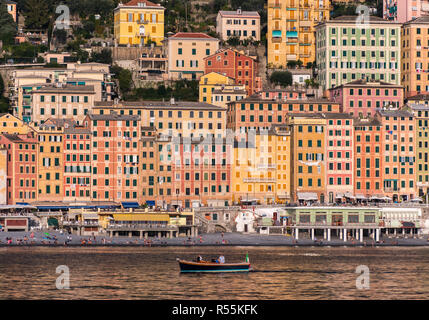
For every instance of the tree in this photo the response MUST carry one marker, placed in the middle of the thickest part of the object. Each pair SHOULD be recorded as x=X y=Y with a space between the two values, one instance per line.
x=8 y=26
x=4 y=102
x=104 y=56
x=37 y=14
x=283 y=78
x=233 y=41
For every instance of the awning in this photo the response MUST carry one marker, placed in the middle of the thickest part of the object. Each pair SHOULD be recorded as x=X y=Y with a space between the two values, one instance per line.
x=127 y=205
x=360 y=197
x=307 y=196
x=406 y=224
x=90 y=216
x=150 y=203
x=349 y=195
x=339 y=195
x=418 y=199
x=374 y=198
x=52 y=207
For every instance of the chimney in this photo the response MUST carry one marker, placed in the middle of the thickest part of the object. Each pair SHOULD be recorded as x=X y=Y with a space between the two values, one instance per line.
x=172 y=100
x=239 y=10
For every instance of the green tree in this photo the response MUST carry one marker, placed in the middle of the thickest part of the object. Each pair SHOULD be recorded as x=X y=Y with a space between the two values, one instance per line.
x=8 y=26
x=4 y=102
x=283 y=78
x=104 y=56
x=37 y=14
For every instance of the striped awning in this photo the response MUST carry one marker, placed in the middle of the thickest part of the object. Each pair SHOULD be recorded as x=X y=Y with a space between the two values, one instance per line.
x=308 y=196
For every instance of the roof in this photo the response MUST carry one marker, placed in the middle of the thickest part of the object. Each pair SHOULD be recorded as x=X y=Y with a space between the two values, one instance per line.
x=364 y=83
x=421 y=96
x=181 y=105
x=135 y=3
x=57 y=122
x=366 y=122
x=192 y=35
x=65 y=89
x=114 y=117
x=254 y=14
x=229 y=91
x=395 y=113
x=232 y=50
x=258 y=99
x=19 y=138
x=422 y=19
x=338 y=116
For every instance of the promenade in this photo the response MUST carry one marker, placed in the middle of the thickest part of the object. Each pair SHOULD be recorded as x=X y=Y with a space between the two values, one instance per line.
x=212 y=239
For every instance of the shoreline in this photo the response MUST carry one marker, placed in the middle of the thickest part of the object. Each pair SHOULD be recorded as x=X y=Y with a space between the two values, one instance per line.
x=57 y=239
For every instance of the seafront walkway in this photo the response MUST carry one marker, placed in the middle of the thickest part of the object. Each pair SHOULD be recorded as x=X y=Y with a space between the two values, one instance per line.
x=49 y=238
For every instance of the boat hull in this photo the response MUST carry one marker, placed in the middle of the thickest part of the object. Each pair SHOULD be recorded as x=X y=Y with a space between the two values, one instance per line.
x=190 y=266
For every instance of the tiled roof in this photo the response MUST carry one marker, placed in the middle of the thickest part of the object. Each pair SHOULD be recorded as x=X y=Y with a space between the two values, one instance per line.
x=366 y=122
x=192 y=35
x=67 y=88
x=114 y=117
x=181 y=105
x=365 y=83
x=136 y=3
x=395 y=113
x=419 y=97
x=243 y=13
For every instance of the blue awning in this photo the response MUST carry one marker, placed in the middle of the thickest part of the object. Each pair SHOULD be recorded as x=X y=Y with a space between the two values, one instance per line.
x=52 y=207
x=277 y=33
x=23 y=203
x=127 y=205
x=150 y=203
x=292 y=34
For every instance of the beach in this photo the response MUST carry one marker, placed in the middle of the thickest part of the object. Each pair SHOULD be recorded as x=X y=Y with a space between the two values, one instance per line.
x=56 y=238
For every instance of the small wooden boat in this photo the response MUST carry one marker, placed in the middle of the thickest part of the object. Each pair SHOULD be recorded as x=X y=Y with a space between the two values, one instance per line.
x=206 y=266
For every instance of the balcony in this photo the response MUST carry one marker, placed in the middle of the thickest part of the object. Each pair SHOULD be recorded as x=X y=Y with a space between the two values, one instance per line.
x=277 y=39
x=264 y=180
x=276 y=5
x=142 y=21
x=266 y=166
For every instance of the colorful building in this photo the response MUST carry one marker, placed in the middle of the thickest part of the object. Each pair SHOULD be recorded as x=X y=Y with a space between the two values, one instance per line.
x=421 y=114
x=11 y=124
x=186 y=53
x=361 y=98
x=283 y=94
x=254 y=112
x=261 y=169
x=234 y=64
x=368 y=158
x=399 y=163
x=241 y=24
x=308 y=149
x=347 y=52
x=65 y=101
x=50 y=135
x=77 y=162
x=208 y=83
x=115 y=156
x=11 y=9
x=223 y=94
x=415 y=60
x=404 y=10
x=139 y=22
x=171 y=118
x=339 y=156
x=291 y=30
x=22 y=166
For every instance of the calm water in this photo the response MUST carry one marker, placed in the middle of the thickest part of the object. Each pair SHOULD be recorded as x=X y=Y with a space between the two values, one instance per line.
x=153 y=273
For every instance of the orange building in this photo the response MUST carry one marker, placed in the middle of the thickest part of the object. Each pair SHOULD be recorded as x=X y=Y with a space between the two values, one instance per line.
x=368 y=162
x=22 y=165
x=399 y=154
x=115 y=157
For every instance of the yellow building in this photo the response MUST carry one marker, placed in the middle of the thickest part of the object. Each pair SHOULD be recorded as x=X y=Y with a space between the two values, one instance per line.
x=11 y=124
x=261 y=167
x=414 y=57
x=139 y=22
x=291 y=30
x=208 y=83
x=51 y=167
x=308 y=157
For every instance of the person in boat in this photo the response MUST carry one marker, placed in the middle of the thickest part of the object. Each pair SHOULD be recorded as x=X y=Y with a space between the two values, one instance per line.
x=199 y=259
x=221 y=259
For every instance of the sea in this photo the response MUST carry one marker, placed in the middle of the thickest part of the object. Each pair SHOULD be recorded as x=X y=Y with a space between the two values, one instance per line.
x=152 y=273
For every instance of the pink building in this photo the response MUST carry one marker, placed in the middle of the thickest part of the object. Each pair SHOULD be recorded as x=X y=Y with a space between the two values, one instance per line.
x=115 y=156
x=22 y=166
x=339 y=156
x=77 y=163
x=362 y=98
x=404 y=10
x=283 y=94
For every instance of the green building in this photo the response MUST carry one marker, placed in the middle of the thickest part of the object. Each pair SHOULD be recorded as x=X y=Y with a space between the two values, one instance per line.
x=348 y=50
